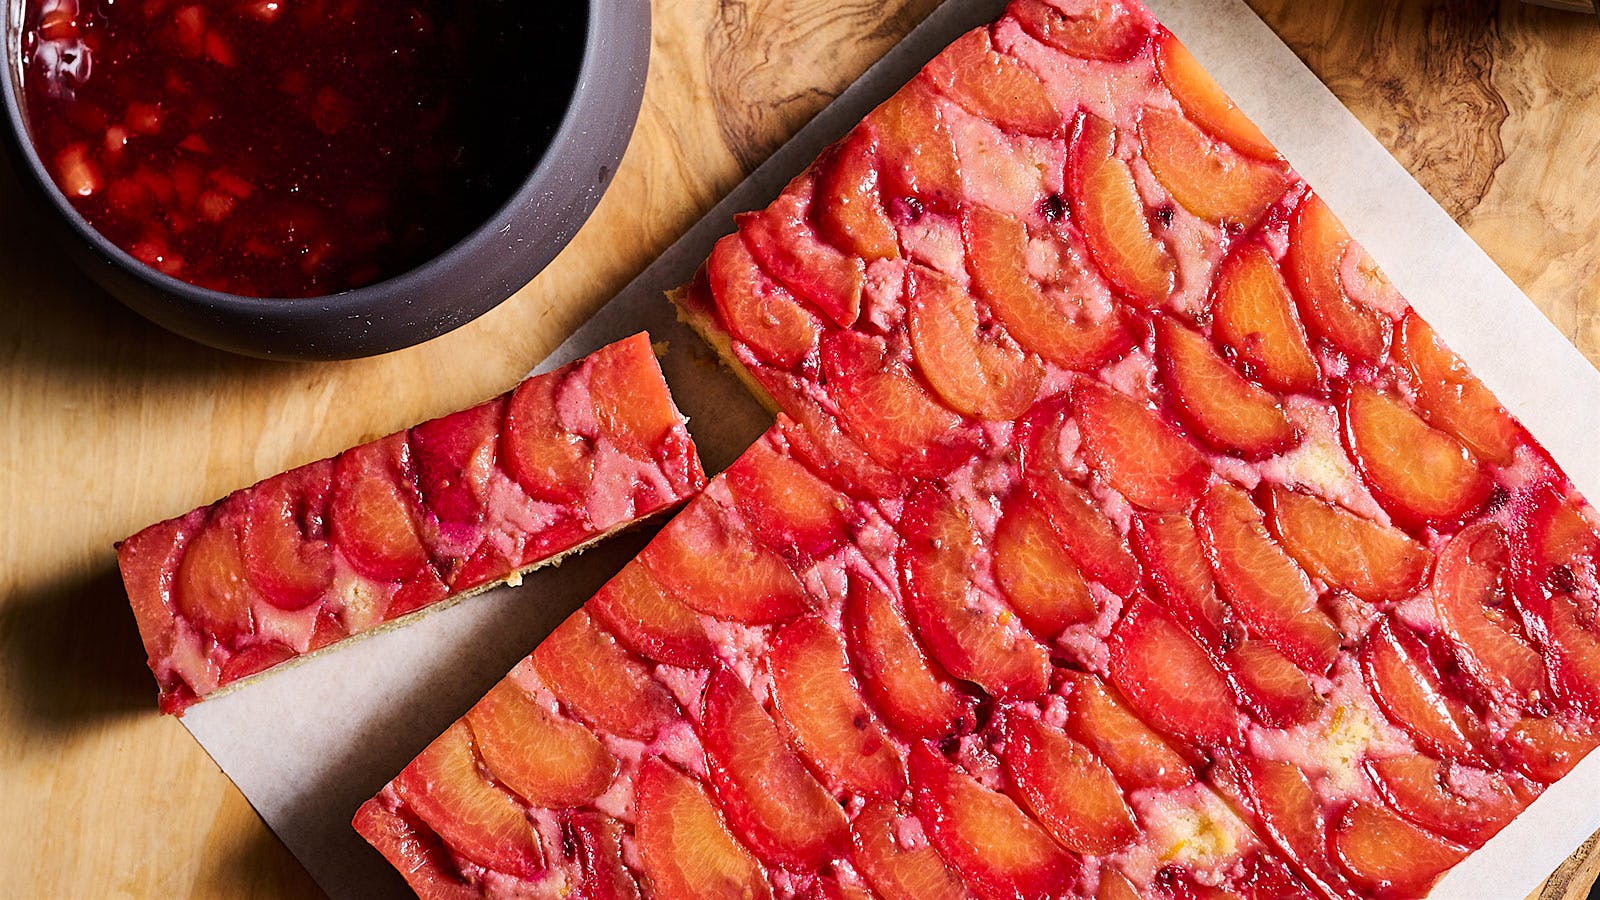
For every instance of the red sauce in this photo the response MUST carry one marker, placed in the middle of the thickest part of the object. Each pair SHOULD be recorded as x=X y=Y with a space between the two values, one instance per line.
x=293 y=148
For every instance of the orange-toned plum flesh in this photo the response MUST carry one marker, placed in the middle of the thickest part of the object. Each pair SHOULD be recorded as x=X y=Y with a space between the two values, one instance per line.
x=1131 y=502
x=340 y=546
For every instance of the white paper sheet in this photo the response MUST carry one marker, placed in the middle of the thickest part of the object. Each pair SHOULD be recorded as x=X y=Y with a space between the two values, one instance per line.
x=309 y=744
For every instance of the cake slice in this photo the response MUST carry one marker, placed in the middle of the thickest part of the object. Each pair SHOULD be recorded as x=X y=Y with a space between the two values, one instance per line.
x=1126 y=534
x=744 y=711
x=425 y=516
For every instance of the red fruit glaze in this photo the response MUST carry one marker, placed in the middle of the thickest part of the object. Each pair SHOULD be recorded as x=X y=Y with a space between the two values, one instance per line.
x=290 y=150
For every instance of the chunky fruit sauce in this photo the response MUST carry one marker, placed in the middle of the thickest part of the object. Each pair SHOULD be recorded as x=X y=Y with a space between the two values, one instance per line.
x=293 y=148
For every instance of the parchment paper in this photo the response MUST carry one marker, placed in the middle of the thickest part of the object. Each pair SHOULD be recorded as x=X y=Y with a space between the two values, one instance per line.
x=309 y=744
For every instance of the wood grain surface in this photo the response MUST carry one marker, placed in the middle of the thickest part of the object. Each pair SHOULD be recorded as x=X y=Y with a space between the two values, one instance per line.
x=108 y=423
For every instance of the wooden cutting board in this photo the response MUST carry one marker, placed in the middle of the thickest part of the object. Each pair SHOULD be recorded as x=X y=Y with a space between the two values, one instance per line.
x=108 y=423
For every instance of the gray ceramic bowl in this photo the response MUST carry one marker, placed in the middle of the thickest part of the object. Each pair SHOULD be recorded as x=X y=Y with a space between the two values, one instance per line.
x=455 y=287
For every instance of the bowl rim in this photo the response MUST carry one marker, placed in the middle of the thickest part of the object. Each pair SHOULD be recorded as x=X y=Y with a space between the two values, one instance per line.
x=364 y=301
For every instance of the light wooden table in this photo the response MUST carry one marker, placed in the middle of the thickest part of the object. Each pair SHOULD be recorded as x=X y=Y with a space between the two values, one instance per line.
x=108 y=423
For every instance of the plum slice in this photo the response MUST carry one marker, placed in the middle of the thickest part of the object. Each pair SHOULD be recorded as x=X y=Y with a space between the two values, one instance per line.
x=590 y=672
x=849 y=205
x=884 y=407
x=283 y=536
x=1422 y=476
x=1271 y=594
x=1473 y=599
x=685 y=849
x=1203 y=101
x=895 y=675
x=915 y=144
x=1059 y=328
x=1208 y=177
x=549 y=461
x=769 y=796
x=781 y=239
x=1083 y=530
x=978 y=371
x=545 y=759
x=1464 y=805
x=600 y=858
x=1376 y=563
x=477 y=819
x=896 y=871
x=1168 y=678
x=994 y=86
x=1136 y=754
x=1037 y=575
x=786 y=504
x=1254 y=317
x=691 y=559
x=1408 y=689
x=963 y=627
x=756 y=309
x=1388 y=856
x=1104 y=32
x=1144 y=458
x=1108 y=207
x=1227 y=411
x=1451 y=397
x=999 y=850
x=638 y=610
x=1314 y=263
x=370 y=515
x=817 y=698
x=1066 y=787
x=209 y=586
